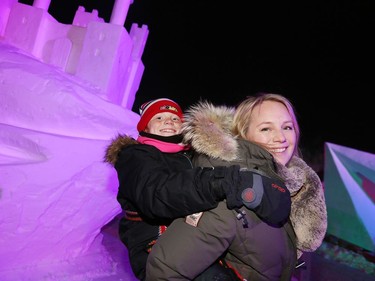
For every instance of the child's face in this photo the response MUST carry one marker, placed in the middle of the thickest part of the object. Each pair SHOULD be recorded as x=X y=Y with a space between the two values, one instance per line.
x=164 y=124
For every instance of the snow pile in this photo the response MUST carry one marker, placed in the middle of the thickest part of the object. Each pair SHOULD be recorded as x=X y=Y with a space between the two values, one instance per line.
x=56 y=192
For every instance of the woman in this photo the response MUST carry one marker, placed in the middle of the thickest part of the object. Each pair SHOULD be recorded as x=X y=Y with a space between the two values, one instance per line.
x=262 y=128
x=158 y=183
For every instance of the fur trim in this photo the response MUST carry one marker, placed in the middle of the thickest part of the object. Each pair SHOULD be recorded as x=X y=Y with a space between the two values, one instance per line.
x=213 y=125
x=117 y=143
x=308 y=214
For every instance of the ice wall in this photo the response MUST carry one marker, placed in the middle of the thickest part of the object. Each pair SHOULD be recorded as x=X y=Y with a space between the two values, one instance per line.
x=56 y=191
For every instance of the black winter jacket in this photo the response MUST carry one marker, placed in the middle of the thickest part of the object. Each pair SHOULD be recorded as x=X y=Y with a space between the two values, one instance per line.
x=156 y=187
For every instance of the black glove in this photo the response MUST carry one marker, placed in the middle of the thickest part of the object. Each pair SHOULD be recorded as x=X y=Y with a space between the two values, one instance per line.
x=267 y=197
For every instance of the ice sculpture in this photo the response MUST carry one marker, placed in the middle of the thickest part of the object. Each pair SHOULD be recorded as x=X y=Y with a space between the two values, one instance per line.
x=65 y=92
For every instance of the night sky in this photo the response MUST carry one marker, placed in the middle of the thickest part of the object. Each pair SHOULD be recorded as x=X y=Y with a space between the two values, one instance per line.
x=319 y=54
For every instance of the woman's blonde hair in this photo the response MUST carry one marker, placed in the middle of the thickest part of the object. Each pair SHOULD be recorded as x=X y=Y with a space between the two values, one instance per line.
x=242 y=116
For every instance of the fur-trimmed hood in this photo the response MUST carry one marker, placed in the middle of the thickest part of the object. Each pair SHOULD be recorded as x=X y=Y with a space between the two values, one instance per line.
x=116 y=145
x=208 y=129
x=308 y=213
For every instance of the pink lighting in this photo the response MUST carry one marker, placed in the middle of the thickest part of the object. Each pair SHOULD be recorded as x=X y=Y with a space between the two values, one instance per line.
x=65 y=92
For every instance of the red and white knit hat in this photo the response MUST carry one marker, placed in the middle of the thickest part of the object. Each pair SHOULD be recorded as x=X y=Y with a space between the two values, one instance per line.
x=150 y=108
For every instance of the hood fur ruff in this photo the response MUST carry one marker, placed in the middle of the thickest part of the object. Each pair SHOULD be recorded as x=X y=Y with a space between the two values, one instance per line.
x=114 y=148
x=308 y=213
x=208 y=129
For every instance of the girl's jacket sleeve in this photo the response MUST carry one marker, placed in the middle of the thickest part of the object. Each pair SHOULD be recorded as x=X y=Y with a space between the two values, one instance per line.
x=160 y=188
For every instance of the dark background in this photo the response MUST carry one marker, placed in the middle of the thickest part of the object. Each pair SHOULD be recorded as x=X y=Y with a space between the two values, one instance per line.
x=319 y=54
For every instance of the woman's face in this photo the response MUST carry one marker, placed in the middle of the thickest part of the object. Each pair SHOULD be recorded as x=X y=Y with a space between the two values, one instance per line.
x=164 y=124
x=272 y=127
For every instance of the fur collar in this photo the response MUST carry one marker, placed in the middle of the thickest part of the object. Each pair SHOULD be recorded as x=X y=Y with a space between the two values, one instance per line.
x=208 y=129
x=117 y=144
x=308 y=213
